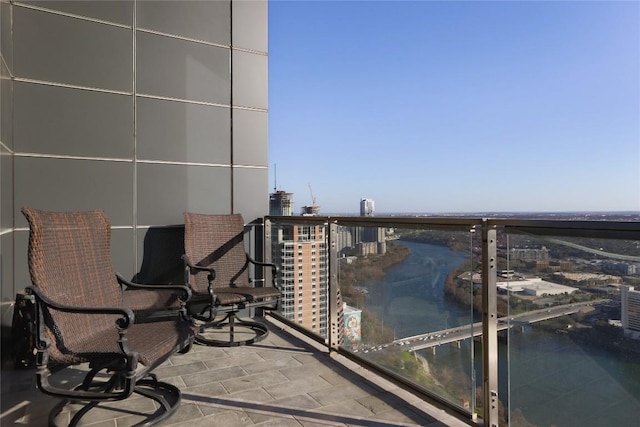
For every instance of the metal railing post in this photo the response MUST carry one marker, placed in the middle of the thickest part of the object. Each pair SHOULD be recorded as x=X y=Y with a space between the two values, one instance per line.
x=489 y=326
x=334 y=330
x=267 y=250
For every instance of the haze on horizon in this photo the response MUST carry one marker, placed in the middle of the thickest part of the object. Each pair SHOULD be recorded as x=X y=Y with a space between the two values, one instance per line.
x=430 y=106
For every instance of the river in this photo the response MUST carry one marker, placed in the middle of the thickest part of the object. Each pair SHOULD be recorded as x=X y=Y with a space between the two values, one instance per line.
x=554 y=381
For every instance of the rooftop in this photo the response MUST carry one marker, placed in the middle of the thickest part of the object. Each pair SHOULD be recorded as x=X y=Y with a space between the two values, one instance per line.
x=285 y=380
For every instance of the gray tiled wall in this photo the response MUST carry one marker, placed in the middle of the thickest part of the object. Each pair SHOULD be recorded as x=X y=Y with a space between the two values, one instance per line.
x=73 y=122
x=165 y=191
x=182 y=69
x=199 y=20
x=88 y=124
x=183 y=132
x=61 y=49
x=7 y=281
x=74 y=185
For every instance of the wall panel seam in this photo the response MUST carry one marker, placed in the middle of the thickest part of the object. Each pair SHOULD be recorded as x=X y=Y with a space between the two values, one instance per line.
x=209 y=104
x=185 y=101
x=250 y=166
x=178 y=163
x=6 y=66
x=134 y=87
x=71 y=15
x=257 y=109
x=113 y=227
x=245 y=50
x=4 y=147
x=148 y=226
x=71 y=86
x=184 y=38
x=69 y=157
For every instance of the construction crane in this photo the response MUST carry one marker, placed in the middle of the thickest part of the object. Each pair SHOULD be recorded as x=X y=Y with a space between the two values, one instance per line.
x=313 y=198
x=312 y=209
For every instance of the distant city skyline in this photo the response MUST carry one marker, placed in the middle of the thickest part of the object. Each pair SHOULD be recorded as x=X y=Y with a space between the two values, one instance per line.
x=459 y=107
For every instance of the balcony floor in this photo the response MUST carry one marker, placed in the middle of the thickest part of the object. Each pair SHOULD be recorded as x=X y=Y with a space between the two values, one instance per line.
x=285 y=380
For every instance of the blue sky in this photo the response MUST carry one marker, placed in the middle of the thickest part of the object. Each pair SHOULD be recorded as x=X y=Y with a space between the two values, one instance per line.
x=445 y=107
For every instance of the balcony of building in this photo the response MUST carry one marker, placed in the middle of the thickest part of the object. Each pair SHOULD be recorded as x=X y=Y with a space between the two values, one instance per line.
x=407 y=348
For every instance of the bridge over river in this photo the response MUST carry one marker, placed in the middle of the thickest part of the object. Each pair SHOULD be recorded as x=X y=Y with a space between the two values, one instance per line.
x=459 y=333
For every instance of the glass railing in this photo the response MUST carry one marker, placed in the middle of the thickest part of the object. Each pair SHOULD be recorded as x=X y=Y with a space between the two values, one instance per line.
x=566 y=360
x=408 y=299
x=516 y=323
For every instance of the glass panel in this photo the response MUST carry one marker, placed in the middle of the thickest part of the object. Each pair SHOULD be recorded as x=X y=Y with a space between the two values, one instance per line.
x=300 y=250
x=572 y=354
x=408 y=305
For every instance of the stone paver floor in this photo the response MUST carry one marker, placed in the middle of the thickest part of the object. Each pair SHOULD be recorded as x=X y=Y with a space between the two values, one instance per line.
x=281 y=381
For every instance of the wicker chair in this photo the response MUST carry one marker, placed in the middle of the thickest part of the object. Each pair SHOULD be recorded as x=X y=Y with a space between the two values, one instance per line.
x=217 y=270
x=81 y=318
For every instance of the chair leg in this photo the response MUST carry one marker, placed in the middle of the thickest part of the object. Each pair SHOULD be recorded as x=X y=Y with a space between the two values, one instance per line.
x=230 y=321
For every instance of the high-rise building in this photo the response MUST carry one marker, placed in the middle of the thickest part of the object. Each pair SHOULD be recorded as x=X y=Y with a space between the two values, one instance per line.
x=630 y=301
x=281 y=203
x=368 y=240
x=367 y=207
x=301 y=252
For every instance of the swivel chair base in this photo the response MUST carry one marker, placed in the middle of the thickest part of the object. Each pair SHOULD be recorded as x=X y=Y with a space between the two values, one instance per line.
x=227 y=328
x=166 y=395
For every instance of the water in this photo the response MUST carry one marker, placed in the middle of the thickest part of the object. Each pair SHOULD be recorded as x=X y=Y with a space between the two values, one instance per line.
x=410 y=297
x=553 y=380
x=557 y=381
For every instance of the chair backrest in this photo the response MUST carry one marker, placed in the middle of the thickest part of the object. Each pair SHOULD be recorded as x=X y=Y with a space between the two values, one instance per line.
x=216 y=241
x=70 y=262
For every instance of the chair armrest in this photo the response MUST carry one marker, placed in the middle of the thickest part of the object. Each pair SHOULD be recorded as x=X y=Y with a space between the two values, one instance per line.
x=211 y=270
x=183 y=292
x=127 y=319
x=42 y=343
x=274 y=268
x=122 y=323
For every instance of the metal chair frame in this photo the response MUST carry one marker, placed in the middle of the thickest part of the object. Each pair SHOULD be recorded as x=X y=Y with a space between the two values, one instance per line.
x=224 y=296
x=71 y=334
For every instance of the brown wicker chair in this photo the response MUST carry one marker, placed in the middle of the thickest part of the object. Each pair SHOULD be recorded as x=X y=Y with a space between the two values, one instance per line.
x=217 y=270
x=81 y=318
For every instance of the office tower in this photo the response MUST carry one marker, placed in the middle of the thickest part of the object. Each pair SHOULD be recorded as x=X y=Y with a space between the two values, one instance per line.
x=367 y=207
x=368 y=240
x=281 y=203
x=630 y=301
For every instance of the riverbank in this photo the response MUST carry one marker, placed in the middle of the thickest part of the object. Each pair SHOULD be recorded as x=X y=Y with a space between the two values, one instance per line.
x=356 y=277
